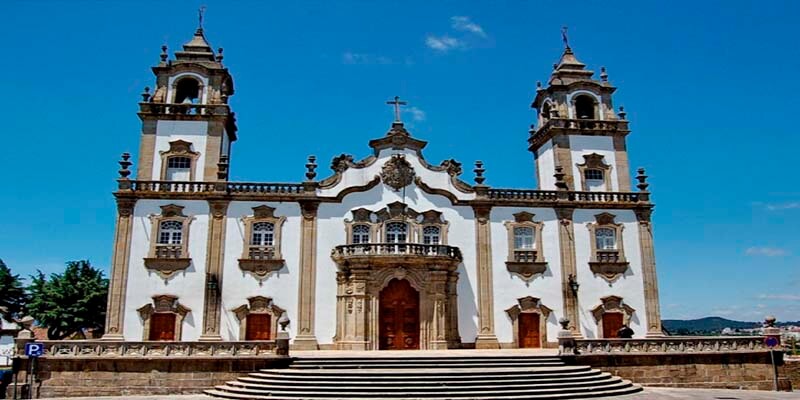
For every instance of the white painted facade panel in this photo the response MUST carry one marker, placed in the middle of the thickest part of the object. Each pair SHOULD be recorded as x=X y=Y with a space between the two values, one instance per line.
x=238 y=286
x=630 y=286
x=194 y=132
x=188 y=285
x=546 y=164
x=508 y=288
x=584 y=145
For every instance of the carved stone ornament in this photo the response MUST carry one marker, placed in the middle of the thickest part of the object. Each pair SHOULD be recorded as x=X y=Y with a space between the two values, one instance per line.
x=397 y=172
x=526 y=270
x=261 y=269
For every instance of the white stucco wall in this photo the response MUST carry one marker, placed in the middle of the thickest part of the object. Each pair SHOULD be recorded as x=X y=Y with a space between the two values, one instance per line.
x=508 y=288
x=187 y=285
x=282 y=286
x=629 y=286
x=194 y=132
x=546 y=165
x=583 y=145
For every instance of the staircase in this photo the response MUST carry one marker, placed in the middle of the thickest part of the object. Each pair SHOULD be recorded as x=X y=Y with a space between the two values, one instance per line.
x=426 y=377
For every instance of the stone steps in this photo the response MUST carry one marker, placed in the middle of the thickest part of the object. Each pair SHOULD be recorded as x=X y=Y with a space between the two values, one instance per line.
x=444 y=377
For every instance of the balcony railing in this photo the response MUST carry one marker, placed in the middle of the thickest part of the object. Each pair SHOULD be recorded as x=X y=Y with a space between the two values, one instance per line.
x=169 y=251
x=247 y=187
x=524 y=256
x=671 y=344
x=261 y=253
x=107 y=349
x=209 y=187
x=396 y=249
x=608 y=256
x=521 y=194
x=183 y=109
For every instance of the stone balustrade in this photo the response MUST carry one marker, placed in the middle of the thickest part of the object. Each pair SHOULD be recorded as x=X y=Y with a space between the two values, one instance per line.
x=393 y=250
x=153 y=349
x=671 y=344
x=279 y=188
x=183 y=109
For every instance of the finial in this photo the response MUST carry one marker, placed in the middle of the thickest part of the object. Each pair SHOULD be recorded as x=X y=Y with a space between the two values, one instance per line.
x=200 y=12
x=124 y=172
x=538 y=85
x=164 y=54
x=561 y=184
x=622 y=113
x=564 y=37
x=146 y=94
x=555 y=65
x=397 y=103
x=533 y=129
x=603 y=74
x=479 y=170
x=219 y=55
x=642 y=178
x=222 y=168
x=311 y=167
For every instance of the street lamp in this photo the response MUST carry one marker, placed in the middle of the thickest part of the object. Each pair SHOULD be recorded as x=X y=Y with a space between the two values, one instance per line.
x=573 y=284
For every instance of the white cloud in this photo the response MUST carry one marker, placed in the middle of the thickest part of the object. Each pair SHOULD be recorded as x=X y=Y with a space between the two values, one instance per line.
x=443 y=43
x=765 y=251
x=786 y=297
x=465 y=24
x=363 y=58
x=416 y=113
x=783 y=206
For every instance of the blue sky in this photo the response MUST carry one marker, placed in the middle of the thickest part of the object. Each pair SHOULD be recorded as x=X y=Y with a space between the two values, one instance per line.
x=710 y=89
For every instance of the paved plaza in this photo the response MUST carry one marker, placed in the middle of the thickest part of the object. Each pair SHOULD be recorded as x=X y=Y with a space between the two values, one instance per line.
x=647 y=394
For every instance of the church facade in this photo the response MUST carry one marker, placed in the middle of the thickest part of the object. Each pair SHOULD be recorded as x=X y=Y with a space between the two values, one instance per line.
x=387 y=252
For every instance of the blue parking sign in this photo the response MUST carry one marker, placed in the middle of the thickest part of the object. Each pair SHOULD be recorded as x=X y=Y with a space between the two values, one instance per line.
x=34 y=349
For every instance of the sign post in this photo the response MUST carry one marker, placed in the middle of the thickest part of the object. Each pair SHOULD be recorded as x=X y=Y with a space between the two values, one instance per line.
x=33 y=350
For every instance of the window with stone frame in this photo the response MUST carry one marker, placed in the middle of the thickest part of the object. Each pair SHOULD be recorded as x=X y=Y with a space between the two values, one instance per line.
x=431 y=234
x=169 y=252
x=178 y=162
x=607 y=252
x=525 y=256
x=395 y=224
x=595 y=172
x=261 y=253
x=258 y=319
x=361 y=234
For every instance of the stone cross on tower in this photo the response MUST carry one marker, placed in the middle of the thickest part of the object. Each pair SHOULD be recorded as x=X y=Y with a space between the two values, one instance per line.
x=200 y=12
x=397 y=103
x=564 y=37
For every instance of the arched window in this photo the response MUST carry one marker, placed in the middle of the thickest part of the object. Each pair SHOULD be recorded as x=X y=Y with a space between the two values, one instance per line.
x=187 y=90
x=178 y=168
x=170 y=232
x=606 y=239
x=360 y=234
x=523 y=238
x=584 y=107
x=263 y=234
x=431 y=235
x=396 y=232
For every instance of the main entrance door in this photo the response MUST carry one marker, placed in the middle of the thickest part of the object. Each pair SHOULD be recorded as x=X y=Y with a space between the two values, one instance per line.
x=399 y=316
x=529 y=336
x=612 y=322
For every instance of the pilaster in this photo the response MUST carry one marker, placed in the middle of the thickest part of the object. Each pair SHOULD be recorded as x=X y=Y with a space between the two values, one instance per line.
x=115 y=312
x=622 y=165
x=566 y=245
x=649 y=277
x=306 y=338
x=486 y=337
x=563 y=156
x=214 y=265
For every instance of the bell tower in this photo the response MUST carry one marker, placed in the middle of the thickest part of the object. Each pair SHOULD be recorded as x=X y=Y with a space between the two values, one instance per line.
x=187 y=124
x=578 y=134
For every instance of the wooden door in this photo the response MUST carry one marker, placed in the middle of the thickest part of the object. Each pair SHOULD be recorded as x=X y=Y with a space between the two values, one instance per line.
x=612 y=322
x=529 y=335
x=162 y=326
x=259 y=327
x=399 y=316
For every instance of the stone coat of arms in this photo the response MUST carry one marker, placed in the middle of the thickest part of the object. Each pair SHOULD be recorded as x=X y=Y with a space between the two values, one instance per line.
x=397 y=172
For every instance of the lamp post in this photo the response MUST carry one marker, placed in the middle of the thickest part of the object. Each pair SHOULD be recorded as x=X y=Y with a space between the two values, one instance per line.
x=573 y=284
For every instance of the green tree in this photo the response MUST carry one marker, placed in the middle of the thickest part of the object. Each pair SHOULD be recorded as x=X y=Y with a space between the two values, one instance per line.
x=12 y=294
x=69 y=302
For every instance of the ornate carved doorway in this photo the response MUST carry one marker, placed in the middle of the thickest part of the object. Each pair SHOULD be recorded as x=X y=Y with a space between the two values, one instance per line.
x=612 y=322
x=529 y=336
x=399 y=316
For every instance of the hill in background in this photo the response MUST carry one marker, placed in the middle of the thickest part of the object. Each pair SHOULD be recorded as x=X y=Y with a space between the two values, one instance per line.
x=710 y=325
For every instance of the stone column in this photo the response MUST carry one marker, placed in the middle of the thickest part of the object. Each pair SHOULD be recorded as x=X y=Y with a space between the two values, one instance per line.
x=566 y=244
x=621 y=164
x=439 y=303
x=652 y=308
x=486 y=338
x=118 y=282
x=306 y=339
x=215 y=260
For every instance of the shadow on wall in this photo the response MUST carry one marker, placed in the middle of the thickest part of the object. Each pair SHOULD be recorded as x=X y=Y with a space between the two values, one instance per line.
x=467 y=308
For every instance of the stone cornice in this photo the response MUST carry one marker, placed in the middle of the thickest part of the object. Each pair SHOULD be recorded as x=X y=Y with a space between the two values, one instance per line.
x=583 y=127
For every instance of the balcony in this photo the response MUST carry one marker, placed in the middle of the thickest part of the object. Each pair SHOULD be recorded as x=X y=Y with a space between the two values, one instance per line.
x=183 y=109
x=526 y=264
x=609 y=264
x=261 y=261
x=396 y=254
x=569 y=126
x=168 y=259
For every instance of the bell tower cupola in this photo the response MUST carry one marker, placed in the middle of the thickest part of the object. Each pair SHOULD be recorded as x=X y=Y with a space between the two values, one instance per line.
x=578 y=130
x=187 y=124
